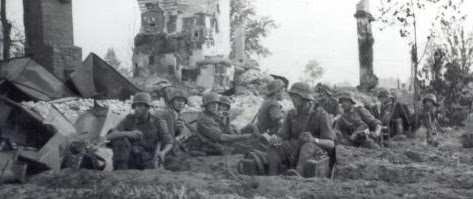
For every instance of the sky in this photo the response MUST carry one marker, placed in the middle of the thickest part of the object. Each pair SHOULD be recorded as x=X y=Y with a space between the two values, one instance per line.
x=308 y=29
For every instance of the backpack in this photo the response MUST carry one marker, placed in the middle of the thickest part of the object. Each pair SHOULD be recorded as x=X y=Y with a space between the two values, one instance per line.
x=254 y=163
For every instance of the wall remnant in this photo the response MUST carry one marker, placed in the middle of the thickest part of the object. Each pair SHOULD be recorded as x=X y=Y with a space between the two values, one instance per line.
x=177 y=35
x=49 y=36
x=368 y=79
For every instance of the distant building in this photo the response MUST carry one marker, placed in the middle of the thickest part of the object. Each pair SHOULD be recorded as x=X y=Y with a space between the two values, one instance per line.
x=188 y=40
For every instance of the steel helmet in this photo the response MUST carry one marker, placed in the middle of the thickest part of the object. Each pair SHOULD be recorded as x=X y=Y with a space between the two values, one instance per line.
x=209 y=98
x=177 y=93
x=142 y=98
x=303 y=90
x=348 y=96
x=384 y=92
x=274 y=86
x=225 y=100
x=430 y=97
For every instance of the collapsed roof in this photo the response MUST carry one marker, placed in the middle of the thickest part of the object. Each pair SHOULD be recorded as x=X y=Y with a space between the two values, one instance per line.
x=96 y=78
x=24 y=79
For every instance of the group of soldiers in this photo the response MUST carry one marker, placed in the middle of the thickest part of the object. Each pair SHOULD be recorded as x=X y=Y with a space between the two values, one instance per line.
x=317 y=123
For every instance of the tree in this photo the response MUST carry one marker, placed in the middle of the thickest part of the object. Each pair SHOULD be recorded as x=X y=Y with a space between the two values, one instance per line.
x=312 y=72
x=112 y=60
x=402 y=13
x=256 y=27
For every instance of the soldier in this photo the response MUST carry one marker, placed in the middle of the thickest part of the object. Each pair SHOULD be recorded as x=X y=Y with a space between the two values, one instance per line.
x=177 y=102
x=327 y=101
x=356 y=125
x=429 y=118
x=305 y=134
x=137 y=138
x=163 y=90
x=224 y=111
x=209 y=126
x=270 y=113
x=393 y=115
x=176 y=126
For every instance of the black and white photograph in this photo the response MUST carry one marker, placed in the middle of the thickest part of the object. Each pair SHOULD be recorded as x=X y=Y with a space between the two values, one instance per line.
x=236 y=99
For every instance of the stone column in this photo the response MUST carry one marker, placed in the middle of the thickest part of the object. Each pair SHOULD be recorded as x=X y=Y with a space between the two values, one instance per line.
x=49 y=36
x=368 y=79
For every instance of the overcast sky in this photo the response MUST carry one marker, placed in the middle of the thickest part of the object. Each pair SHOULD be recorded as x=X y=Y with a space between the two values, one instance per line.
x=308 y=29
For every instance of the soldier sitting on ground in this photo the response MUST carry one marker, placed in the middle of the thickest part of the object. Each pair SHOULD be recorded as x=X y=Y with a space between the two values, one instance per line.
x=210 y=128
x=171 y=114
x=393 y=115
x=137 y=139
x=270 y=113
x=327 y=101
x=305 y=134
x=429 y=120
x=224 y=107
x=356 y=125
x=163 y=91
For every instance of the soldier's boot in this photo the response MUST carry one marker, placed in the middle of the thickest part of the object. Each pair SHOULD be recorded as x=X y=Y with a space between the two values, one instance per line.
x=274 y=162
x=431 y=139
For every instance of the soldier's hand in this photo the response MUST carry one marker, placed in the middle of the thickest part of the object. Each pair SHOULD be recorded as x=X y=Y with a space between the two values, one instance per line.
x=275 y=141
x=179 y=124
x=377 y=131
x=160 y=156
x=135 y=134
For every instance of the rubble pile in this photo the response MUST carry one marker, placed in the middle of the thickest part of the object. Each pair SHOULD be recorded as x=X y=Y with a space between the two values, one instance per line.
x=252 y=82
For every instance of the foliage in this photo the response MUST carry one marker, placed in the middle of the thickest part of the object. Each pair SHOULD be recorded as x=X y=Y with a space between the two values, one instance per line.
x=402 y=13
x=312 y=72
x=111 y=58
x=256 y=27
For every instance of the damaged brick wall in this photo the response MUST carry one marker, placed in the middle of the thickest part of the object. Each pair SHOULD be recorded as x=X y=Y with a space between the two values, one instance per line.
x=49 y=35
x=176 y=34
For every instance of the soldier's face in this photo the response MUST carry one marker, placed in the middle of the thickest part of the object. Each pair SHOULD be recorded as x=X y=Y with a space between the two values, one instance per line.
x=346 y=104
x=428 y=104
x=212 y=107
x=297 y=101
x=179 y=104
x=140 y=109
x=280 y=93
x=383 y=99
x=223 y=109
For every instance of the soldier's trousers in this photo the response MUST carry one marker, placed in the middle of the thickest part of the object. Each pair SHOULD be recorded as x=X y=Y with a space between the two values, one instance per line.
x=368 y=143
x=292 y=154
x=128 y=156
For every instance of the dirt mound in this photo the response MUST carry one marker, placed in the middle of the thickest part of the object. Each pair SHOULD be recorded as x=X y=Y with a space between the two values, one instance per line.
x=407 y=169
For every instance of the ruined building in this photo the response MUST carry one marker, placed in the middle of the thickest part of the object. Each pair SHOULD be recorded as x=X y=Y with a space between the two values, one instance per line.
x=185 y=40
x=49 y=36
x=368 y=79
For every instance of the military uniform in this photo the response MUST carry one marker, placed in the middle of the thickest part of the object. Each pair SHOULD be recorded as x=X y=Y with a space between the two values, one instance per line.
x=140 y=153
x=429 y=120
x=357 y=119
x=209 y=126
x=269 y=116
x=293 y=152
x=330 y=105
